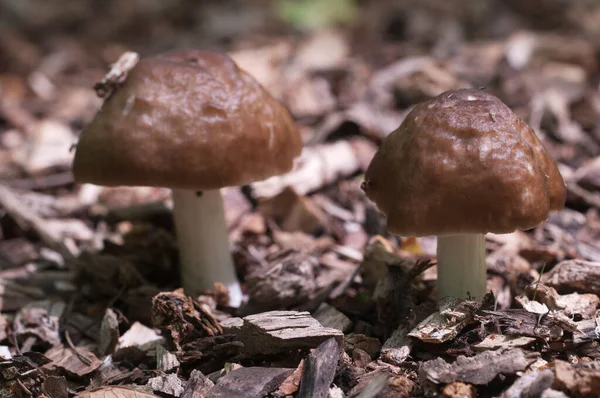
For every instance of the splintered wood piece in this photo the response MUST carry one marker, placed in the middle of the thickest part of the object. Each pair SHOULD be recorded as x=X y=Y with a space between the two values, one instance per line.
x=445 y=325
x=371 y=385
x=252 y=382
x=319 y=370
x=141 y=337
x=531 y=384
x=198 y=386
x=495 y=341
x=165 y=361
x=578 y=380
x=109 y=333
x=279 y=331
x=397 y=347
x=116 y=392
x=479 y=370
x=330 y=317
x=166 y=384
x=574 y=275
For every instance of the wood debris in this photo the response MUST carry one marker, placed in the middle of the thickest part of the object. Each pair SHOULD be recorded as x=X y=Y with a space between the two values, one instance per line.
x=480 y=369
x=166 y=384
x=444 y=325
x=197 y=386
x=252 y=382
x=583 y=276
x=278 y=331
x=319 y=370
x=88 y=273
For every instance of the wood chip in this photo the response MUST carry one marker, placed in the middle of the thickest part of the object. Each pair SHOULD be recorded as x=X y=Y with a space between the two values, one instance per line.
x=109 y=332
x=295 y=212
x=581 y=380
x=495 y=341
x=330 y=317
x=78 y=361
x=40 y=320
x=183 y=318
x=55 y=387
x=530 y=384
x=371 y=385
x=370 y=345
x=252 y=382
x=279 y=331
x=319 y=370
x=574 y=275
x=198 y=386
x=291 y=384
x=137 y=341
x=165 y=361
x=397 y=348
x=166 y=384
x=444 y=325
x=479 y=370
x=116 y=392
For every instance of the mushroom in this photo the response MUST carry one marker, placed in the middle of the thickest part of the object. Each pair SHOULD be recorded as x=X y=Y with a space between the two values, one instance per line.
x=192 y=121
x=460 y=165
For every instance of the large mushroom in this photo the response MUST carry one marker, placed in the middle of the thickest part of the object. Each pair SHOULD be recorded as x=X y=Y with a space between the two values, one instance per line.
x=194 y=122
x=459 y=166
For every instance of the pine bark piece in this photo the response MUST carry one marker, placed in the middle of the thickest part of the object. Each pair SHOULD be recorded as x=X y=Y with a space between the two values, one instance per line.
x=165 y=361
x=397 y=347
x=167 y=384
x=445 y=325
x=319 y=370
x=330 y=317
x=479 y=370
x=279 y=331
x=530 y=385
x=581 y=380
x=575 y=275
x=252 y=382
x=182 y=318
x=198 y=386
x=109 y=332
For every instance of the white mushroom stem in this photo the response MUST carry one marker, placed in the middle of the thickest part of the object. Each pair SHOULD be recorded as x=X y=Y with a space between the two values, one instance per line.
x=461 y=266
x=203 y=243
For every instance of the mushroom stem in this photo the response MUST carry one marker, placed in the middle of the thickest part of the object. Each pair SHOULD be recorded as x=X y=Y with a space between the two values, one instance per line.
x=461 y=266
x=203 y=243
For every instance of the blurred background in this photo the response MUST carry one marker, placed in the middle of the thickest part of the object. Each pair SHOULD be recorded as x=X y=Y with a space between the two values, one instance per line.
x=341 y=66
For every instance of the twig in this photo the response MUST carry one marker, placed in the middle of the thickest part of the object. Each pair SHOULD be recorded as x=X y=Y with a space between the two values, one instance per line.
x=22 y=387
x=86 y=361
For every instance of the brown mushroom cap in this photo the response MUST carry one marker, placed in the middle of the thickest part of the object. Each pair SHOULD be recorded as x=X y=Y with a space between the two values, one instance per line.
x=462 y=163
x=187 y=119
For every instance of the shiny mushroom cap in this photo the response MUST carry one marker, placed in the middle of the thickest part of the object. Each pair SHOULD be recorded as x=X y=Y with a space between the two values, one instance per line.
x=187 y=119
x=463 y=163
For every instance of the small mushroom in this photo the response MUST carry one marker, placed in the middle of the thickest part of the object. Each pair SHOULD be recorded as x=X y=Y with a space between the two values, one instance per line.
x=194 y=122
x=460 y=165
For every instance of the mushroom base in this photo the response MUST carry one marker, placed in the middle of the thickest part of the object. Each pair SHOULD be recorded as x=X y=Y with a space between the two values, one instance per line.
x=204 y=254
x=461 y=266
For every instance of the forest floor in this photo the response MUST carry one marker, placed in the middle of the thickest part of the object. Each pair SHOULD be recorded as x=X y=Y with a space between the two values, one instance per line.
x=335 y=305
